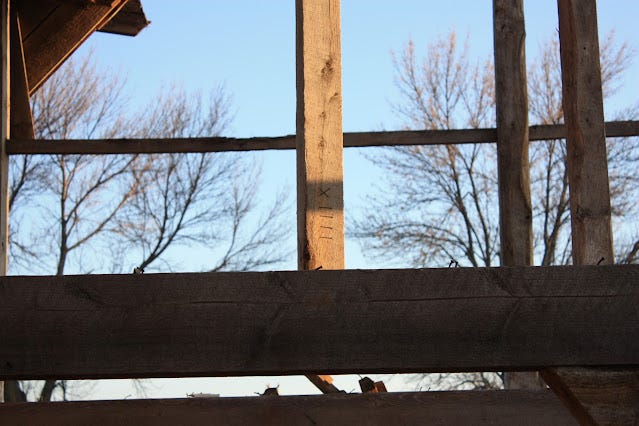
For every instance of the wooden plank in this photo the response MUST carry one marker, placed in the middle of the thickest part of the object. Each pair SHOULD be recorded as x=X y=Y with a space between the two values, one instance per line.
x=513 y=167
x=60 y=34
x=318 y=322
x=610 y=395
x=586 y=137
x=129 y=21
x=21 y=117
x=319 y=141
x=351 y=140
x=515 y=211
x=586 y=391
x=5 y=85
x=478 y=408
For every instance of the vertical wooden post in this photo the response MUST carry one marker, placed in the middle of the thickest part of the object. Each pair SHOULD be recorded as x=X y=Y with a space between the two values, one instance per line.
x=4 y=135
x=319 y=139
x=515 y=211
x=21 y=120
x=585 y=133
x=320 y=199
x=594 y=396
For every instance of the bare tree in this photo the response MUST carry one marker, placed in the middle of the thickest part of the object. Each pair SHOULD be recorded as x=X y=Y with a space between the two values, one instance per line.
x=441 y=201
x=79 y=207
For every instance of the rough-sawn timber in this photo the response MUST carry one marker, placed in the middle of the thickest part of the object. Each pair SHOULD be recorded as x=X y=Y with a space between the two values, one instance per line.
x=218 y=324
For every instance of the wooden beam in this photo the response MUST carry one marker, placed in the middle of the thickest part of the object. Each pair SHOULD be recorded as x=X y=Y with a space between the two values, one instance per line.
x=586 y=136
x=598 y=396
x=320 y=194
x=513 y=167
x=351 y=140
x=21 y=117
x=319 y=142
x=319 y=322
x=129 y=21
x=586 y=391
x=60 y=34
x=515 y=211
x=5 y=113
x=476 y=407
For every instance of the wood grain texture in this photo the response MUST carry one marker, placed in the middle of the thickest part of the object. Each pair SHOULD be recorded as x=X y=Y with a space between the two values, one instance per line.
x=586 y=137
x=497 y=408
x=318 y=322
x=351 y=140
x=320 y=194
x=51 y=42
x=586 y=391
x=513 y=167
x=610 y=395
x=515 y=211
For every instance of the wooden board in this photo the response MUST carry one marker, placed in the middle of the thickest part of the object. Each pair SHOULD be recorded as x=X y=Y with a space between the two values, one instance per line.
x=319 y=322
x=515 y=209
x=21 y=117
x=351 y=140
x=320 y=193
x=586 y=136
x=52 y=40
x=610 y=395
x=427 y=408
x=5 y=40
x=586 y=391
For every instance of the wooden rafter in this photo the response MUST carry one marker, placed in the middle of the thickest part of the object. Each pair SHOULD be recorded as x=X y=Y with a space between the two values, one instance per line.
x=52 y=40
x=320 y=322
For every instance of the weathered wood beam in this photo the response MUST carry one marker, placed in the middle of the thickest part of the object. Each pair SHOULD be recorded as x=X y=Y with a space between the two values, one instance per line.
x=515 y=211
x=477 y=408
x=513 y=167
x=21 y=117
x=351 y=140
x=5 y=114
x=319 y=322
x=319 y=138
x=319 y=142
x=587 y=391
x=48 y=45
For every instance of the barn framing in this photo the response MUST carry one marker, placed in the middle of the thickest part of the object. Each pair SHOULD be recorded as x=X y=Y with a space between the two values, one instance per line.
x=577 y=325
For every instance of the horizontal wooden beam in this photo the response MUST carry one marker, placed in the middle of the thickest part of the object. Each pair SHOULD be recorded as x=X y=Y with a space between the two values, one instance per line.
x=470 y=407
x=351 y=140
x=319 y=322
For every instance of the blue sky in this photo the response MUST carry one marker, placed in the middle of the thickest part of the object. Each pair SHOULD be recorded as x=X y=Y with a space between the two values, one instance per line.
x=249 y=46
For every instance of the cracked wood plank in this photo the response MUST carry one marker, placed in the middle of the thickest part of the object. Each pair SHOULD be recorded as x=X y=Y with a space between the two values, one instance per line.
x=318 y=322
